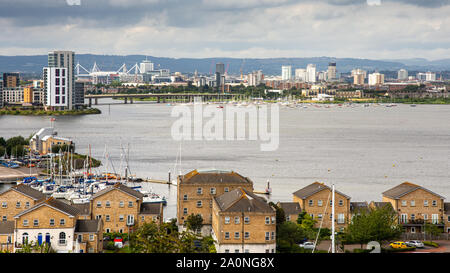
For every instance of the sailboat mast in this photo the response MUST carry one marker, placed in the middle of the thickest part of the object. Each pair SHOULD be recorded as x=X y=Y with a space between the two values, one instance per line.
x=333 y=243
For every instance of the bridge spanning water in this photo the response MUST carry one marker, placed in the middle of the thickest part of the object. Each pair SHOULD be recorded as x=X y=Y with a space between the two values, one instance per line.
x=162 y=97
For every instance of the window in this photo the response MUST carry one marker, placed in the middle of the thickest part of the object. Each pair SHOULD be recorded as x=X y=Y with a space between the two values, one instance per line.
x=288 y=218
x=403 y=203
x=4 y=218
x=4 y=205
x=236 y=251
x=130 y=204
x=185 y=197
x=247 y=251
x=247 y=220
x=425 y=203
x=62 y=222
x=448 y=218
x=319 y=216
x=274 y=219
x=80 y=238
x=107 y=219
x=199 y=191
x=267 y=236
x=121 y=205
x=310 y=203
x=130 y=220
x=99 y=204
x=226 y=189
x=199 y=204
x=341 y=218
x=341 y=203
x=413 y=203
x=227 y=235
x=25 y=222
x=213 y=190
x=62 y=238
x=247 y=235
x=319 y=203
x=121 y=218
x=107 y=230
x=227 y=251
x=236 y=235
x=185 y=211
x=91 y=237
x=434 y=203
x=404 y=218
x=272 y=235
x=17 y=205
x=413 y=230
x=35 y=222
x=108 y=204
x=435 y=218
x=27 y=205
x=425 y=217
x=267 y=220
x=227 y=219
x=237 y=220
x=413 y=217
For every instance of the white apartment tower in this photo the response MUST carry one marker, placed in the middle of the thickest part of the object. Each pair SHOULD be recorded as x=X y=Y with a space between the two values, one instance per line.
x=376 y=78
x=66 y=60
x=311 y=73
x=300 y=74
x=56 y=87
x=286 y=72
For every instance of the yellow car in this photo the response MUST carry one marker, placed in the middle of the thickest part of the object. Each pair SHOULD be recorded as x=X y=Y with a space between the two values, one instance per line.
x=398 y=245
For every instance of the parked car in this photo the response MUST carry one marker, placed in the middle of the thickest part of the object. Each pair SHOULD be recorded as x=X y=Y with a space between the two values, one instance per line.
x=398 y=244
x=415 y=243
x=307 y=245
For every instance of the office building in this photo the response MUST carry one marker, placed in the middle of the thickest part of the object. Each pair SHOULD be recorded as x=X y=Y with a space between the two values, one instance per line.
x=146 y=66
x=255 y=78
x=11 y=80
x=430 y=76
x=402 y=74
x=220 y=79
x=331 y=73
x=286 y=72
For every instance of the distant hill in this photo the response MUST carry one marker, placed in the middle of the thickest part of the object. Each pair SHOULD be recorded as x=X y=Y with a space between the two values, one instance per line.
x=270 y=66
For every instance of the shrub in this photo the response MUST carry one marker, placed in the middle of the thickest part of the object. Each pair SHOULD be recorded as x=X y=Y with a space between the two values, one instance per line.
x=433 y=244
x=394 y=250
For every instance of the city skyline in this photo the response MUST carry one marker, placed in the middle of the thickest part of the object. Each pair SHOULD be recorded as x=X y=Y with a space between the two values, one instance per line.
x=250 y=29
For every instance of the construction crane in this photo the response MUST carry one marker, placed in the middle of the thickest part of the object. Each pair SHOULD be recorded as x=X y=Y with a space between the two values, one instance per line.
x=242 y=69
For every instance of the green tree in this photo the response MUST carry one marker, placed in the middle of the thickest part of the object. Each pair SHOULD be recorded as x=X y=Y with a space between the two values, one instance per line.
x=194 y=222
x=280 y=215
x=289 y=235
x=433 y=230
x=379 y=225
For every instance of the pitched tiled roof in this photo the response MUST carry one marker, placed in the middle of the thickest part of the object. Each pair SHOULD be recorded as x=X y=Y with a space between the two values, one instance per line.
x=290 y=207
x=379 y=205
x=87 y=225
x=150 y=208
x=241 y=200
x=359 y=206
x=314 y=188
x=53 y=203
x=6 y=227
x=121 y=187
x=28 y=191
x=85 y=208
x=214 y=177
x=405 y=188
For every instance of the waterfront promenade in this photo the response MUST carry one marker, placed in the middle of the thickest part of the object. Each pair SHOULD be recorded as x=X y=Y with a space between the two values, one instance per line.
x=8 y=175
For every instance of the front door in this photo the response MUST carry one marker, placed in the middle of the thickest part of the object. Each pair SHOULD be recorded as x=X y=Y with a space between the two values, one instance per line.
x=40 y=238
x=47 y=238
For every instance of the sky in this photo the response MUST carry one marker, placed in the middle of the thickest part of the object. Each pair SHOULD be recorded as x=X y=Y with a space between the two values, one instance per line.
x=373 y=29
